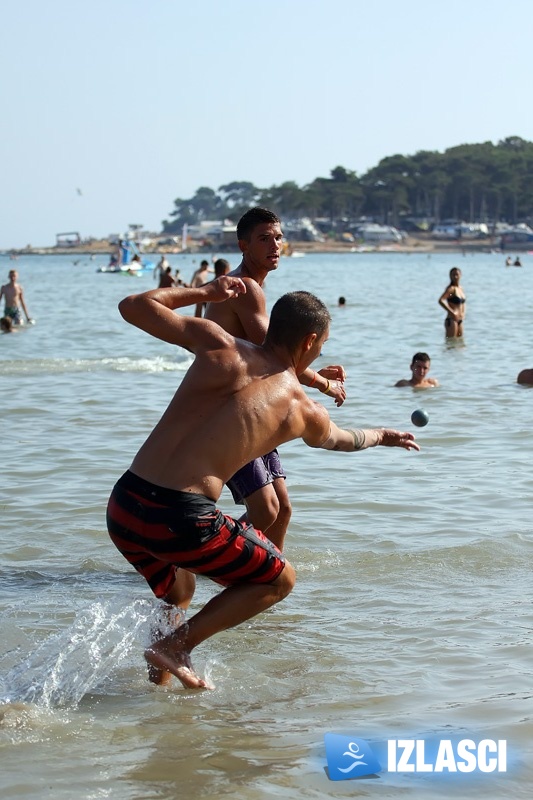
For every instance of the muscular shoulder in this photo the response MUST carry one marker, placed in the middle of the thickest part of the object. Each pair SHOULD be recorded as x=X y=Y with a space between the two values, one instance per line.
x=403 y=382
x=254 y=294
x=316 y=422
x=243 y=316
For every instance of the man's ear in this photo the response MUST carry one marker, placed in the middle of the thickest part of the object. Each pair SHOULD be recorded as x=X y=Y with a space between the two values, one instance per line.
x=309 y=341
x=243 y=246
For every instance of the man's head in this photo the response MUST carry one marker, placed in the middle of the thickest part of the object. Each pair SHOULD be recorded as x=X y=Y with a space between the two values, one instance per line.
x=204 y=264
x=13 y=275
x=420 y=365
x=260 y=237
x=6 y=324
x=299 y=320
x=254 y=217
x=222 y=267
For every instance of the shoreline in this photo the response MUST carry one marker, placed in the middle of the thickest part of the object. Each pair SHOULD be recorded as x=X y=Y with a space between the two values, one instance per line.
x=411 y=245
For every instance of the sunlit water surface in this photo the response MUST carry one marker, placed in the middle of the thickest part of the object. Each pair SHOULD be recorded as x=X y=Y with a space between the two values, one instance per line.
x=412 y=612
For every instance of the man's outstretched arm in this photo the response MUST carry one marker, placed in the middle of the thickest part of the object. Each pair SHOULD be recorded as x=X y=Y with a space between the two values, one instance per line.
x=351 y=439
x=322 y=432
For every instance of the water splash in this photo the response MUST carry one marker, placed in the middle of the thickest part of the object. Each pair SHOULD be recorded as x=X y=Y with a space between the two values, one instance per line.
x=69 y=664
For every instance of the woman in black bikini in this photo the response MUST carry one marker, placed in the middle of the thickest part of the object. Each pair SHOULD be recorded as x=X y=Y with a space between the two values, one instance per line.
x=453 y=301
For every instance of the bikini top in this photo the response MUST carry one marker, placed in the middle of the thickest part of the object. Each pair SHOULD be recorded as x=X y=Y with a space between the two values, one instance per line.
x=455 y=300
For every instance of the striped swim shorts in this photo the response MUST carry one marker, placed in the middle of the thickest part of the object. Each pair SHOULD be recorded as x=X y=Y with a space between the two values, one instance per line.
x=158 y=530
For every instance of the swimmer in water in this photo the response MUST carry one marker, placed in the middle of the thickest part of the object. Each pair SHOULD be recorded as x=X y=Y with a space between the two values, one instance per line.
x=453 y=301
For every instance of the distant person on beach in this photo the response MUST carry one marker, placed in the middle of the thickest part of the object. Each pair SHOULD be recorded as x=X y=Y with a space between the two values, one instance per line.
x=420 y=366
x=236 y=401
x=178 y=281
x=166 y=280
x=201 y=276
x=222 y=267
x=508 y=261
x=115 y=259
x=160 y=268
x=135 y=264
x=525 y=377
x=6 y=325
x=453 y=301
x=517 y=262
x=13 y=295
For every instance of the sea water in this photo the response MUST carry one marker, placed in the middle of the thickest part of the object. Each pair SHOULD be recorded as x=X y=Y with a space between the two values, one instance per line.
x=411 y=616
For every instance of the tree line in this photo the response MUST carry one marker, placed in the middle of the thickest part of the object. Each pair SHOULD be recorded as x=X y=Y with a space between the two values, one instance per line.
x=470 y=182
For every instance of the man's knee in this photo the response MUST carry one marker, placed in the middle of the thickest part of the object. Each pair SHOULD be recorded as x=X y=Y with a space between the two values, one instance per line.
x=285 y=581
x=263 y=509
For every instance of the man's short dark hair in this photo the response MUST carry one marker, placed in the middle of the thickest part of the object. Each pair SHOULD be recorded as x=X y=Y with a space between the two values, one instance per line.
x=254 y=217
x=222 y=267
x=420 y=357
x=294 y=316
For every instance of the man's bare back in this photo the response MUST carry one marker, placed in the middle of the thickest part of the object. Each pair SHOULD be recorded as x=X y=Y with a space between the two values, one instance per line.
x=232 y=395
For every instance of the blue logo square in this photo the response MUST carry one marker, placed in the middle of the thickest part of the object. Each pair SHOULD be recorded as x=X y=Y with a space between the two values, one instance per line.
x=349 y=757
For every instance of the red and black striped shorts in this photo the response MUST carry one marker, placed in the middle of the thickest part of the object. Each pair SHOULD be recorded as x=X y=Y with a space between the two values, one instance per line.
x=158 y=530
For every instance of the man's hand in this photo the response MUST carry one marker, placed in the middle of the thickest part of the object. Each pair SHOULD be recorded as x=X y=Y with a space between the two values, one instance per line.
x=333 y=373
x=336 y=375
x=337 y=391
x=224 y=288
x=392 y=438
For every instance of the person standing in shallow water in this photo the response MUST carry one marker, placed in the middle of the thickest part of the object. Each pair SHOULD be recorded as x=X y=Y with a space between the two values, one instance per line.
x=237 y=401
x=13 y=295
x=453 y=301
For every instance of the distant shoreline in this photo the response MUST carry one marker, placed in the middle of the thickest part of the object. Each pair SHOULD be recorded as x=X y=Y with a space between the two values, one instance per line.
x=411 y=245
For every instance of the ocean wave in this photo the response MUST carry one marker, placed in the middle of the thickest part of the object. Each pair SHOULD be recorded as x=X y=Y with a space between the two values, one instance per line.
x=39 y=366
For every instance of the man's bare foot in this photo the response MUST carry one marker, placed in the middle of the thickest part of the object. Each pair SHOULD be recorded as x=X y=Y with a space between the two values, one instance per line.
x=161 y=677
x=168 y=656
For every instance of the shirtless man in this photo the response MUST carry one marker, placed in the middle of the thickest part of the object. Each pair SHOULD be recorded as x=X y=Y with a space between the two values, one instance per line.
x=166 y=280
x=419 y=367
x=260 y=485
x=13 y=295
x=237 y=400
x=201 y=276
x=525 y=377
x=222 y=267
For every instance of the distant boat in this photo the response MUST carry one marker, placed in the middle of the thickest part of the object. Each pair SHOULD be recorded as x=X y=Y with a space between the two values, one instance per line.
x=127 y=260
x=127 y=269
x=288 y=252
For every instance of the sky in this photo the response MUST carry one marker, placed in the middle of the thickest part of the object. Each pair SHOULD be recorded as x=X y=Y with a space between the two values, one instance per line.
x=112 y=109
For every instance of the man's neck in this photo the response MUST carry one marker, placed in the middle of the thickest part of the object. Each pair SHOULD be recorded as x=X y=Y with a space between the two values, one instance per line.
x=251 y=270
